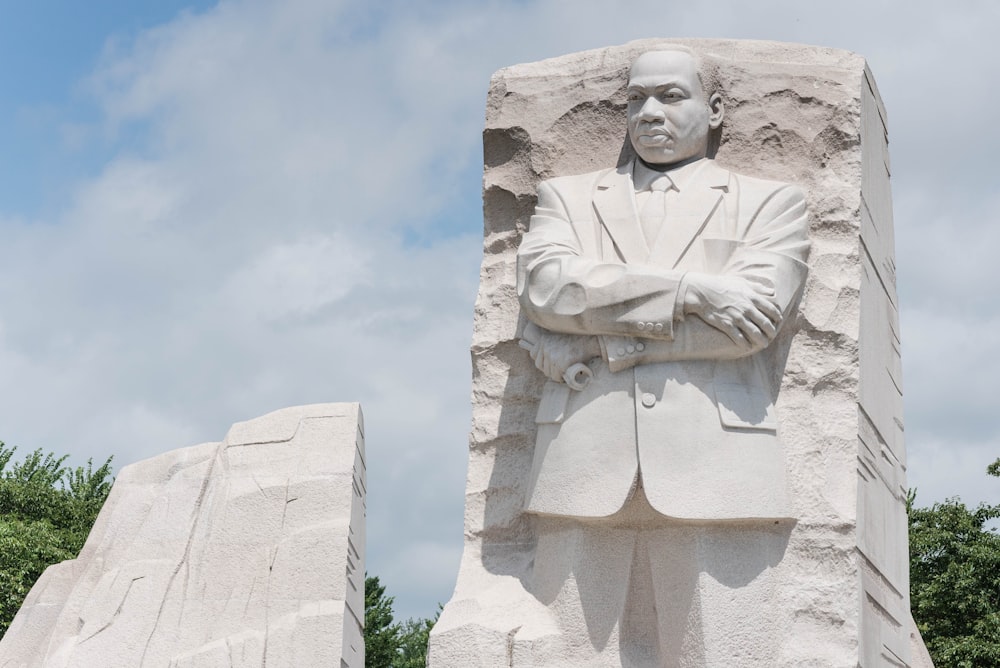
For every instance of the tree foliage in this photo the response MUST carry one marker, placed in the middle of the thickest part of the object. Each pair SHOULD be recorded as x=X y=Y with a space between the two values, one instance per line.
x=389 y=644
x=955 y=581
x=46 y=512
x=414 y=635
x=381 y=632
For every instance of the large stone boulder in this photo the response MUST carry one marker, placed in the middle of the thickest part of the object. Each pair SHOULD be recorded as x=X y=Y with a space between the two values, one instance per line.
x=247 y=552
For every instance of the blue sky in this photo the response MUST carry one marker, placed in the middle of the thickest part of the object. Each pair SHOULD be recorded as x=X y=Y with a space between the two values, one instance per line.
x=210 y=211
x=48 y=50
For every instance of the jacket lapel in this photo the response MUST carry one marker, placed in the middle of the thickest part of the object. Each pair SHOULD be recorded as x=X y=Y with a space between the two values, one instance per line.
x=688 y=214
x=614 y=202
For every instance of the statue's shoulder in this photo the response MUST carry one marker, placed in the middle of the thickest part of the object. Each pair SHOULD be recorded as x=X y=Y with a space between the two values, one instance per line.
x=756 y=187
x=577 y=182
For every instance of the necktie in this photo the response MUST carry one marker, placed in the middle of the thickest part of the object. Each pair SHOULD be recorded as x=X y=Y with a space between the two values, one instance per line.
x=655 y=208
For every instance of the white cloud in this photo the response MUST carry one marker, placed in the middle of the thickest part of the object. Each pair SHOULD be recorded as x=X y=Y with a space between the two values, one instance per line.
x=435 y=562
x=959 y=469
x=297 y=279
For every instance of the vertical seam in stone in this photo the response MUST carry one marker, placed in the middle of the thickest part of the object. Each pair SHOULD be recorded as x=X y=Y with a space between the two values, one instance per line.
x=187 y=549
x=117 y=611
x=510 y=646
x=270 y=569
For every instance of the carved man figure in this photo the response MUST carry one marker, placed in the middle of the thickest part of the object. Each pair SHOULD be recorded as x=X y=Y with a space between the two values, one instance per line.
x=667 y=278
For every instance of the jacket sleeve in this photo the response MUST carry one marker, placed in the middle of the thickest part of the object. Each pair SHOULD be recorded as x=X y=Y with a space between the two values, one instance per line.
x=773 y=253
x=563 y=291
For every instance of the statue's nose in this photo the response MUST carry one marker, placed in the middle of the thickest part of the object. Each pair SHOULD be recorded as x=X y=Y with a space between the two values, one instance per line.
x=651 y=109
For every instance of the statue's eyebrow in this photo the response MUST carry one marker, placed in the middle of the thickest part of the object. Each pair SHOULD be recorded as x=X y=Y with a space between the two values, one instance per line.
x=638 y=87
x=658 y=89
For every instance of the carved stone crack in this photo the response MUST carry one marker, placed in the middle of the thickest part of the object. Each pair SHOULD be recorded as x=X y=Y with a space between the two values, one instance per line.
x=118 y=610
x=270 y=569
x=510 y=646
x=196 y=514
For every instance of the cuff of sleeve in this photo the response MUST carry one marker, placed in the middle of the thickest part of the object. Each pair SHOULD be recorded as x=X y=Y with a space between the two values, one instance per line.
x=604 y=347
x=622 y=352
x=682 y=288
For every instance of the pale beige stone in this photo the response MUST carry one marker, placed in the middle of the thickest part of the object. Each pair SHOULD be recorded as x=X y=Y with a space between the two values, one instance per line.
x=825 y=586
x=247 y=552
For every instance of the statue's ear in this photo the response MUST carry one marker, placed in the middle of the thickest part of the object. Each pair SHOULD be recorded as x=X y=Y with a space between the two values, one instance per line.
x=718 y=110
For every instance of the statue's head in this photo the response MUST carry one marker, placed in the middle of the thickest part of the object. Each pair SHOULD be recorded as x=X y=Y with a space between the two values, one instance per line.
x=673 y=106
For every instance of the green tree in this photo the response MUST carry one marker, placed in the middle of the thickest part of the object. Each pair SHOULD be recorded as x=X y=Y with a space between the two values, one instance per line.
x=413 y=638
x=381 y=632
x=389 y=644
x=955 y=581
x=46 y=512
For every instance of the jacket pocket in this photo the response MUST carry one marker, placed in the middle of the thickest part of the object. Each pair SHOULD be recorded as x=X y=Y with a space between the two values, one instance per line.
x=745 y=407
x=741 y=393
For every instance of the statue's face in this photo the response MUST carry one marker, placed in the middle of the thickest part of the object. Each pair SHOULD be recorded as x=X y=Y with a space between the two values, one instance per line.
x=669 y=119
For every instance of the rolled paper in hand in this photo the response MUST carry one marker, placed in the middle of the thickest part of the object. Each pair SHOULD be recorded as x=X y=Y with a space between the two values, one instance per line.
x=578 y=376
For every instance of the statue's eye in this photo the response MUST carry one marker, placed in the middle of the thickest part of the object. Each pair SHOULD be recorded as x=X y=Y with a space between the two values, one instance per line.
x=634 y=97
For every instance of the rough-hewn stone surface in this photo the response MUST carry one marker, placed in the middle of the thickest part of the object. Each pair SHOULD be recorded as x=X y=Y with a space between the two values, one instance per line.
x=247 y=552
x=801 y=114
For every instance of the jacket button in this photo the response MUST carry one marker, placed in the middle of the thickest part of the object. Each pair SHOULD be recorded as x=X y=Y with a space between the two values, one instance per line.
x=648 y=399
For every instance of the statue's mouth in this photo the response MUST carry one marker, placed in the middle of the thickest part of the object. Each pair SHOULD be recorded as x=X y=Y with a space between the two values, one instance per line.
x=654 y=138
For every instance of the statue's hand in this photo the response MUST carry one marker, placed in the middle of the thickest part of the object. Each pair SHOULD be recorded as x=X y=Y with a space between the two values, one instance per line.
x=741 y=309
x=554 y=353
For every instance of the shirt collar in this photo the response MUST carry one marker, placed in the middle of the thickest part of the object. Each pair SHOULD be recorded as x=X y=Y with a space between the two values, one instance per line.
x=679 y=177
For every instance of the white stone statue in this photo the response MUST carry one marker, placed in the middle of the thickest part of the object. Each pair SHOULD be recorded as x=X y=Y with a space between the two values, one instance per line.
x=667 y=277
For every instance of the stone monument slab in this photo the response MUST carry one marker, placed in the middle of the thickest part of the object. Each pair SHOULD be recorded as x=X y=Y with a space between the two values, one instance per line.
x=687 y=437
x=247 y=552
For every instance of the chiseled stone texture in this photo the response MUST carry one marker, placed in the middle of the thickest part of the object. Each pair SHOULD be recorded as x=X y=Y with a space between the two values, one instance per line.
x=247 y=552
x=800 y=114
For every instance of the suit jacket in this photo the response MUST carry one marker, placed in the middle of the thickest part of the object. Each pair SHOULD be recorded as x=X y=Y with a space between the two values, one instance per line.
x=671 y=397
